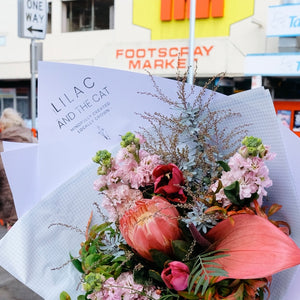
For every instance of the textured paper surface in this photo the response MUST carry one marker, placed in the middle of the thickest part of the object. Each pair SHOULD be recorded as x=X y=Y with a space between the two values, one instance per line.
x=20 y=161
x=31 y=249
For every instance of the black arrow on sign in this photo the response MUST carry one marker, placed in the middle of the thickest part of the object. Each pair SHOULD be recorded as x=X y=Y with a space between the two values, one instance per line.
x=32 y=29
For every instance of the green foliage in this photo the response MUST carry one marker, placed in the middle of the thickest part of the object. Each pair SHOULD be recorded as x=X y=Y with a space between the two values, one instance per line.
x=141 y=275
x=254 y=146
x=203 y=270
x=64 y=296
x=103 y=158
x=180 y=249
x=170 y=296
x=77 y=264
x=224 y=165
x=159 y=258
x=232 y=192
x=194 y=138
x=224 y=288
x=188 y=296
x=251 y=142
x=100 y=256
x=155 y=275
x=130 y=139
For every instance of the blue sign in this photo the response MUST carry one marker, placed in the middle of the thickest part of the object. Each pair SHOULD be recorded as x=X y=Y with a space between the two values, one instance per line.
x=283 y=20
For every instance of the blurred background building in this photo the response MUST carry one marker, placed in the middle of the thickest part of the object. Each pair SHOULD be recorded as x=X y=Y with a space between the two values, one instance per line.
x=255 y=42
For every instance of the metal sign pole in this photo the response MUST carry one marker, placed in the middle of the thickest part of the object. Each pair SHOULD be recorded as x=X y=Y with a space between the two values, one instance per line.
x=32 y=23
x=33 y=84
x=190 y=74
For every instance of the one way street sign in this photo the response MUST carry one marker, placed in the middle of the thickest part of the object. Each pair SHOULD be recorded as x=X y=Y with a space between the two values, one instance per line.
x=32 y=17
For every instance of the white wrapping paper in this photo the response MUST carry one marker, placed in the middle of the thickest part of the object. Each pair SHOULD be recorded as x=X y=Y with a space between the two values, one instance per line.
x=73 y=127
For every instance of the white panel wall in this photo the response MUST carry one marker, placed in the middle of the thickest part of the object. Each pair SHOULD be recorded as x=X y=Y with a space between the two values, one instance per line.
x=98 y=47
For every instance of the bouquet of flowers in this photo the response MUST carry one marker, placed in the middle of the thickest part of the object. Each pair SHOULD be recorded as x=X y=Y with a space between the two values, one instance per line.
x=185 y=214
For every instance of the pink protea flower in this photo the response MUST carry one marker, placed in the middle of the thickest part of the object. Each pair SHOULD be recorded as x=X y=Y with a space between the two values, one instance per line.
x=151 y=224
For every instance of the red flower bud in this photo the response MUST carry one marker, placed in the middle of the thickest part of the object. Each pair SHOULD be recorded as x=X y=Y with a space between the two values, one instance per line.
x=168 y=181
x=176 y=275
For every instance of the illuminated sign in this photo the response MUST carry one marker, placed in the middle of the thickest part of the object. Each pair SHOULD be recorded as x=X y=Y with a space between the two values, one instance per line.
x=168 y=19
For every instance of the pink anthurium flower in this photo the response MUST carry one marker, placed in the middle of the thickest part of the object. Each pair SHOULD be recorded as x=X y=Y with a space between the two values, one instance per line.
x=256 y=247
x=151 y=224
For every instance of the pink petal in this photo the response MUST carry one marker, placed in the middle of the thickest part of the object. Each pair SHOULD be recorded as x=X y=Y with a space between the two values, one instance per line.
x=257 y=248
x=180 y=283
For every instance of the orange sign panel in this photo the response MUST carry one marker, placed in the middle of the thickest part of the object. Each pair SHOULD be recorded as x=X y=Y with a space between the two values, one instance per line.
x=289 y=114
x=169 y=19
x=181 y=9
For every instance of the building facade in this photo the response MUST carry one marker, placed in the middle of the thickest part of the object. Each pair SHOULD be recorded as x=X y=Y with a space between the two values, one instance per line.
x=139 y=35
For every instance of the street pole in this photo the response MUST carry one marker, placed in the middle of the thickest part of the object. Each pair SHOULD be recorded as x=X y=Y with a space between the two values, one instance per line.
x=33 y=84
x=190 y=74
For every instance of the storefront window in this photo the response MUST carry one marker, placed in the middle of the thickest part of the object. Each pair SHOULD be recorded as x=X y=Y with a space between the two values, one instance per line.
x=84 y=15
x=23 y=107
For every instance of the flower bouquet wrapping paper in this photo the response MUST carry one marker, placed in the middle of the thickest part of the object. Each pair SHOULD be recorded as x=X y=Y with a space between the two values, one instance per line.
x=83 y=109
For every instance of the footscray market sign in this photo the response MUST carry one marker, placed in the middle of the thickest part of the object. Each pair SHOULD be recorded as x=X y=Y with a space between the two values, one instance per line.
x=155 y=58
x=168 y=22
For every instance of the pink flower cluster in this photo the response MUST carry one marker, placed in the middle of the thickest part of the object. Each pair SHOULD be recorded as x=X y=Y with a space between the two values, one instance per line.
x=252 y=174
x=130 y=170
x=124 y=288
